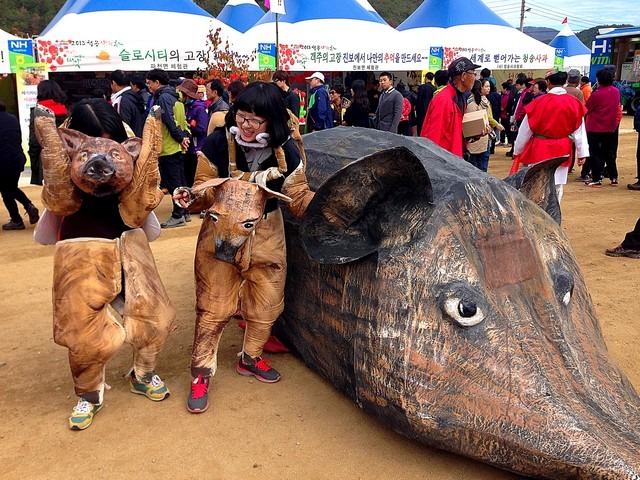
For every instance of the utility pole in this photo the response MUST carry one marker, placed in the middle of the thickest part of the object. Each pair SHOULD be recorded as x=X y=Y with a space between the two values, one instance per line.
x=522 y=16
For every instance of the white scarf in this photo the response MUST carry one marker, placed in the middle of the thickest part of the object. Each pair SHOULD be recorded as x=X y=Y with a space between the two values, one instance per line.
x=254 y=152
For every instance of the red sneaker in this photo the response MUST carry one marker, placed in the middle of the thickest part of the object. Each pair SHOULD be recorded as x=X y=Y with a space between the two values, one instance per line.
x=258 y=367
x=198 y=401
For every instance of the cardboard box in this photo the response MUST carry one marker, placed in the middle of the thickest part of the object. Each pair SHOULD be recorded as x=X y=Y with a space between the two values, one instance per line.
x=475 y=123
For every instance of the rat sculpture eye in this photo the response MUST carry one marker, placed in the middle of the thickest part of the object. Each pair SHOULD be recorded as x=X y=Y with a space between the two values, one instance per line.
x=563 y=281
x=248 y=225
x=463 y=304
x=463 y=312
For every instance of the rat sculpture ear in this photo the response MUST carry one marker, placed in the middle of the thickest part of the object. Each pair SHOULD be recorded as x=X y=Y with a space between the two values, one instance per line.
x=537 y=183
x=364 y=203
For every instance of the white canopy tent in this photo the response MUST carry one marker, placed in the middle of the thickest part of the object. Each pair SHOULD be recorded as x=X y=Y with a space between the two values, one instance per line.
x=101 y=35
x=332 y=35
x=469 y=28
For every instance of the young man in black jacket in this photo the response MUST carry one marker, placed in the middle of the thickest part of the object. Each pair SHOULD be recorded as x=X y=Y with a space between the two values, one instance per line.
x=127 y=103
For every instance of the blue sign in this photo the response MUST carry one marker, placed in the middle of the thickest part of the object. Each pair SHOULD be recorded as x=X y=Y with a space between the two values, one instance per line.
x=601 y=55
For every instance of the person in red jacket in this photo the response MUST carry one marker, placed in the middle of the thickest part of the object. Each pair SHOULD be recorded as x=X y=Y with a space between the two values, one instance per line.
x=549 y=124
x=443 y=122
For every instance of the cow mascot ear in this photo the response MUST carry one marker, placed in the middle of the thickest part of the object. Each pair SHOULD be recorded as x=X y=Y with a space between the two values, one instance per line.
x=375 y=198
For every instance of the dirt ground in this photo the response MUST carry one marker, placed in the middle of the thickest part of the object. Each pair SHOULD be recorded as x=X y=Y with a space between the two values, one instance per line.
x=299 y=428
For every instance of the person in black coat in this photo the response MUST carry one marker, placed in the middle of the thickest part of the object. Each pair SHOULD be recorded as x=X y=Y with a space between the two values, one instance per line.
x=357 y=112
x=129 y=104
x=425 y=94
x=494 y=100
x=291 y=99
x=12 y=161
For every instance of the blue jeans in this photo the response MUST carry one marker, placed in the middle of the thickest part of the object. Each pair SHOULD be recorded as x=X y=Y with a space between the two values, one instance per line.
x=480 y=160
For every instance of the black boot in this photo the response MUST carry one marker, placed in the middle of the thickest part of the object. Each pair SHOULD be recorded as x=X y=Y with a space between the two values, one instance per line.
x=13 y=225
x=33 y=213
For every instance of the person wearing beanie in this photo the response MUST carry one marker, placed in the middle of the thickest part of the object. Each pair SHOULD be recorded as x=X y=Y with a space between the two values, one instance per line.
x=573 y=85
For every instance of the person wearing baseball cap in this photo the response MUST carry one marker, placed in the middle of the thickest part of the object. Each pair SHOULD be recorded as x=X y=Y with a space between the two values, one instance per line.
x=320 y=115
x=198 y=120
x=443 y=122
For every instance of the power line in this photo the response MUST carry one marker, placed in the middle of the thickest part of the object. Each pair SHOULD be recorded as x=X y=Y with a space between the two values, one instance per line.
x=540 y=9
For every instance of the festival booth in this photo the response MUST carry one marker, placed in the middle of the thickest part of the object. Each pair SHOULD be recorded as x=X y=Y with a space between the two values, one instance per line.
x=576 y=54
x=167 y=34
x=446 y=29
x=327 y=36
x=240 y=15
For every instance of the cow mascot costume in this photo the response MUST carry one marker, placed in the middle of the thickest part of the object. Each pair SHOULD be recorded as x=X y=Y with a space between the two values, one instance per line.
x=99 y=196
x=240 y=261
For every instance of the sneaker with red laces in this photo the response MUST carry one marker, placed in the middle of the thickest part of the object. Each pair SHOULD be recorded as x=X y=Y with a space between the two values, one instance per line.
x=198 y=400
x=258 y=367
x=620 y=251
x=597 y=184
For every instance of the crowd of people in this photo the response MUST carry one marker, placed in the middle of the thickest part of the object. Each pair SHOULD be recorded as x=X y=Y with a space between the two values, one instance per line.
x=250 y=132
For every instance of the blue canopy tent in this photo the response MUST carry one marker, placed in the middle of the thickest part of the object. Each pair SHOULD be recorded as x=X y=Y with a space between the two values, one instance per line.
x=469 y=28
x=168 y=34
x=240 y=14
x=576 y=54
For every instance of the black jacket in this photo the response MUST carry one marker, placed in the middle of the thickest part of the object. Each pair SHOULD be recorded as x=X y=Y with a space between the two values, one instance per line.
x=291 y=101
x=132 y=111
x=12 y=157
x=425 y=94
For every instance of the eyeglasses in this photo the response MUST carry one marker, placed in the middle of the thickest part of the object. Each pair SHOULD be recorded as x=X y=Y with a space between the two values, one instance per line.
x=253 y=122
x=332 y=92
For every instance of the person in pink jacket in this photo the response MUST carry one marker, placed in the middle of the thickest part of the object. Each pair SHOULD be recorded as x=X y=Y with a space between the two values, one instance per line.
x=604 y=113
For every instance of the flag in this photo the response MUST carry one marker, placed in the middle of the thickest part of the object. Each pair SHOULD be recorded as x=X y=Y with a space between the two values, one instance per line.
x=276 y=6
x=566 y=20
